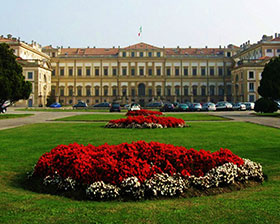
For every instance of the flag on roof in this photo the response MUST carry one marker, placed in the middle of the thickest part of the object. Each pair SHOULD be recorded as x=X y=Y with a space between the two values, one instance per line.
x=140 y=31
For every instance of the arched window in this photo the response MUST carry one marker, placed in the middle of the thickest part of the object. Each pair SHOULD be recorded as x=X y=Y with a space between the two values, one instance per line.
x=194 y=90
x=177 y=90
x=70 y=90
x=88 y=90
x=212 y=90
x=168 y=90
x=203 y=90
x=105 y=90
x=114 y=89
x=79 y=91
x=96 y=90
x=124 y=91
x=158 y=90
x=186 y=90
x=141 y=89
x=221 y=90
x=61 y=91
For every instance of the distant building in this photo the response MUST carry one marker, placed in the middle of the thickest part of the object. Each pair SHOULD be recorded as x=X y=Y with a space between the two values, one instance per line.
x=250 y=62
x=36 y=69
x=144 y=73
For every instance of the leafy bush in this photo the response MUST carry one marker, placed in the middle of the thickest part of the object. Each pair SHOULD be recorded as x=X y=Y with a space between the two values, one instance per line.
x=265 y=105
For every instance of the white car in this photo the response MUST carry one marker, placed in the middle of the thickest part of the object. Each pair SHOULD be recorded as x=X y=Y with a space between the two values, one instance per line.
x=249 y=105
x=134 y=106
x=209 y=106
x=223 y=105
x=3 y=108
x=239 y=106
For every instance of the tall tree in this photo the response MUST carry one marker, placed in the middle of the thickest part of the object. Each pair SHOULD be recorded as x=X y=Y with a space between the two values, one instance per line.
x=270 y=82
x=269 y=87
x=13 y=86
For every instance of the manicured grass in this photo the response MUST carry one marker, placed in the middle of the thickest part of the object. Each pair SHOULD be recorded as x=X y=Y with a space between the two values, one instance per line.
x=268 y=114
x=107 y=117
x=21 y=148
x=8 y=116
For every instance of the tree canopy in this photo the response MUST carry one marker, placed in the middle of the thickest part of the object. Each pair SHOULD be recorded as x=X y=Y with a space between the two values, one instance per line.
x=13 y=86
x=270 y=82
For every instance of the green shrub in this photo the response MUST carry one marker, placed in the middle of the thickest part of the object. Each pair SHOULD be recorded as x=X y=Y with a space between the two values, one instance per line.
x=265 y=105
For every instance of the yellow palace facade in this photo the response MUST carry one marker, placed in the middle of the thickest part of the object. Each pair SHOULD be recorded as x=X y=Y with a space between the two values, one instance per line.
x=143 y=73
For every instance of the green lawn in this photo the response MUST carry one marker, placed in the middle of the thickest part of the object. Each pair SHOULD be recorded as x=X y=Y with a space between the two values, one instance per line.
x=8 y=116
x=21 y=148
x=107 y=117
x=268 y=114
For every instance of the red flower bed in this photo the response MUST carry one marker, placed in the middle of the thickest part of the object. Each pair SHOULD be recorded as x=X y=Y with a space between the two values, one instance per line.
x=152 y=119
x=114 y=163
x=143 y=112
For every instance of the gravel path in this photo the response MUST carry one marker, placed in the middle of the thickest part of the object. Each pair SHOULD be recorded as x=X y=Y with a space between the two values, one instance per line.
x=48 y=117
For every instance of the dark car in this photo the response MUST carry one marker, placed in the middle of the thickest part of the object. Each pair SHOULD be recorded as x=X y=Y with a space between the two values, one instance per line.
x=80 y=104
x=115 y=107
x=104 y=104
x=55 y=105
x=154 y=105
x=182 y=107
x=168 y=107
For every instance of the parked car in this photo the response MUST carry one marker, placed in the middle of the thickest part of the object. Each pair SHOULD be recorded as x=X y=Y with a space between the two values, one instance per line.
x=4 y=107
x=80 y=104
x=208 y=107
x=196 y=107
x=182 y=107
x=249 y=105
x=55 y=105
x=115 y=107
x=154 y=105
x=239 y=106
x=223 y=105
x=104 y=104
x=167 y=107
x=134 y=106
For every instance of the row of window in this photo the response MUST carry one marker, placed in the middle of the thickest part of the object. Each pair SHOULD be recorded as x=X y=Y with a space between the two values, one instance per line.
x=176 y=91
x=140 y=54
x=203 y=71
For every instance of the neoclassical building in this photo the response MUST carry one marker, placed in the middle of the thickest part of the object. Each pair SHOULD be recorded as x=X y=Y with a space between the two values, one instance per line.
x=141 y=73
x=144 y=73
x=36 y=69
x=249 y=64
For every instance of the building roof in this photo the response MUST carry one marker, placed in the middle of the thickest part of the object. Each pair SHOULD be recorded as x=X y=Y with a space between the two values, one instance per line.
x=276 y=39
x=49 y=47
x=194 y=51
x=89 y=51
x=4 y=40
x=141 y=46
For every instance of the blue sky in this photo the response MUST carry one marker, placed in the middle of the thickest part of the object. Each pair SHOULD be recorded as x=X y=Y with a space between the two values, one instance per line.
x=168 y=23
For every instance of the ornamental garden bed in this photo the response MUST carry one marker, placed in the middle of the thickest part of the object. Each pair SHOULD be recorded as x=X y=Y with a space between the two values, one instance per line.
x=146 y=119
x=140 y=170
x=150 y=121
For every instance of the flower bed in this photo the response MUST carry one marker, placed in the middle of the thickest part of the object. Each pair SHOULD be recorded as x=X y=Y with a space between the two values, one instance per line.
x=139 y=170
x=143 y=112
x=150 y=121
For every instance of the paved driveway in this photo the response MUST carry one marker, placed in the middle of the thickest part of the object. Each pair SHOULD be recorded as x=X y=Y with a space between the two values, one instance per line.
x=248 y=116
x=42 y=117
